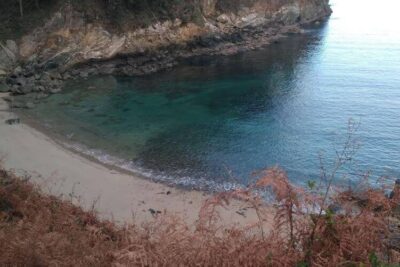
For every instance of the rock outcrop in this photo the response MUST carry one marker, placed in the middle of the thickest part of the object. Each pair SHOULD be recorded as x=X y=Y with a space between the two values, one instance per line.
x=69 y=45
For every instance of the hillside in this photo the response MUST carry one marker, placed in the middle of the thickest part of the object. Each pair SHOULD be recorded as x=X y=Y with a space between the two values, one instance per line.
x=43 y=230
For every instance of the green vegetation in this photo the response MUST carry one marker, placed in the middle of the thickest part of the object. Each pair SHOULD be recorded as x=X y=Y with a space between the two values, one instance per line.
x=18 y=17
x=24 y=15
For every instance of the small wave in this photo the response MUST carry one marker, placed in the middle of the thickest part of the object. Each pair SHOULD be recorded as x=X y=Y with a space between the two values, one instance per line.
x=126 y=165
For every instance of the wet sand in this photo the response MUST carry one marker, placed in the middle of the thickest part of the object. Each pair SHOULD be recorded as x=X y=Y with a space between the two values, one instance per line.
x=115 y=195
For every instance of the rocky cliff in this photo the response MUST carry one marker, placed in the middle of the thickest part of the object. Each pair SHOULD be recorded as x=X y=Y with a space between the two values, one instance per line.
x=81 y=41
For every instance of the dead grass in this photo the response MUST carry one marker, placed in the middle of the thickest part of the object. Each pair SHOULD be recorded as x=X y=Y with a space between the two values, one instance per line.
x=39 y=230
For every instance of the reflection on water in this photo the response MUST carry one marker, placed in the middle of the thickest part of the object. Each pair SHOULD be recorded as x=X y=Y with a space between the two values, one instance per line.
x=212 y=119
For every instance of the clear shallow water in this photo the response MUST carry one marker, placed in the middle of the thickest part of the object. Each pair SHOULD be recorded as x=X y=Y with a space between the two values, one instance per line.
x=211 y=122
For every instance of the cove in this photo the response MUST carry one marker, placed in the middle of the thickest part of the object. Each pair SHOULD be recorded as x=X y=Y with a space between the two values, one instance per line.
x=212 y=121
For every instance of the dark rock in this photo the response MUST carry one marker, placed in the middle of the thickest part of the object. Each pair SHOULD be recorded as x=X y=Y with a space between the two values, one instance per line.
x=26 y=89
x=107 y=69
x=18 y=70
x=4 y=88
x=154 y=212
x=206 y=41
x=16 y=89
x=394 y=241
x=13 y=121
x=7 y=99
x=20 y=81
x=236 y=37
x=66 y=76
x=75 y=72
x=93 y=72
x=22 y=104
x=394 y=233
x=241 y=213
x=40 y=88
x=45 y=78
x=17 y=104
x=55 y=76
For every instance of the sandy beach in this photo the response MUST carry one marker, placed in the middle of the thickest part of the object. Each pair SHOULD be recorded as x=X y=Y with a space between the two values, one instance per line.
x=115 y=195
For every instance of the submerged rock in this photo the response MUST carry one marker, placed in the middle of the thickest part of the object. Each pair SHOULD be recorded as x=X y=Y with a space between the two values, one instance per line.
x=29 y=105
x=4 y=88
x=13 y=121
x=23 y=103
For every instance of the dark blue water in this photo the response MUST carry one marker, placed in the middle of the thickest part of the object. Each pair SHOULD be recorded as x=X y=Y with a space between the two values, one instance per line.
x=211 y=122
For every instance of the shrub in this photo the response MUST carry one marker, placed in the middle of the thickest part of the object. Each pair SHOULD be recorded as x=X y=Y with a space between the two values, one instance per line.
x=41 y=230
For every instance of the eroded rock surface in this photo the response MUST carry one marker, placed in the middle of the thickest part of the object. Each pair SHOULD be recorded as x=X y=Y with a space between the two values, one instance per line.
x=69 y=45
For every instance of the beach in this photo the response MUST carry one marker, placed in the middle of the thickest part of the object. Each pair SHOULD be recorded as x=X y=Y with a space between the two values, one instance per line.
x=118 y=196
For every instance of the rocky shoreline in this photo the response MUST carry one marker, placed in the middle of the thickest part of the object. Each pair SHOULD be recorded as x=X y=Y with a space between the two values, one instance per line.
x=33 y=71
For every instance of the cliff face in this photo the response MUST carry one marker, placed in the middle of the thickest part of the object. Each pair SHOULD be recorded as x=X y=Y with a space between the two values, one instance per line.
x=69 y=31
x=82 y=33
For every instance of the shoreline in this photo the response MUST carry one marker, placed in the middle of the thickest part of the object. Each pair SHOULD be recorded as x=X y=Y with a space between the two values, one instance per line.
x=45 y=80
x=116 y=163
x=114 y=194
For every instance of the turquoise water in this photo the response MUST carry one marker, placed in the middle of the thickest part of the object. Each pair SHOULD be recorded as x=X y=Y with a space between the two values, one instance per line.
x=212 y=121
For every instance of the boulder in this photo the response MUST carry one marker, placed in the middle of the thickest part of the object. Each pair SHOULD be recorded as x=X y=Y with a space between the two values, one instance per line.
x=224 y=19
x=3 y=73
x=20 y=81
x=289 y=14
x=7 y=58
x=12 y=47
x=17 y=70
x=177 y=22
x=252 y=20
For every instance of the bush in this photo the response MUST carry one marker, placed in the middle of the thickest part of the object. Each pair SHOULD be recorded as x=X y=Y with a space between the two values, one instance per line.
x=40 y=230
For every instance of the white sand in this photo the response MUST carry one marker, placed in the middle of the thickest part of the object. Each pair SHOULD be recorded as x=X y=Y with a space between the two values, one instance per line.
x=116 y=195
